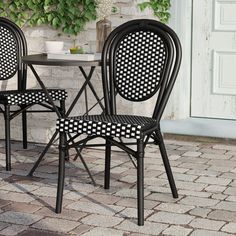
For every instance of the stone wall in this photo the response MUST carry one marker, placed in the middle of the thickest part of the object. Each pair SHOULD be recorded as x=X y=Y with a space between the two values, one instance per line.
x=41 y=125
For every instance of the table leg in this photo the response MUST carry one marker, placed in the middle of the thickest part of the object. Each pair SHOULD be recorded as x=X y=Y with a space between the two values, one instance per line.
x=36 y=164
x=87 y=81
x=46 y=91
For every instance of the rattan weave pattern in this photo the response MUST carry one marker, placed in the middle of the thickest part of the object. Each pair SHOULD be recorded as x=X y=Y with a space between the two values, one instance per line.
x=14 y=97
x=126 y=126
x=140 y=59
x=8 y=54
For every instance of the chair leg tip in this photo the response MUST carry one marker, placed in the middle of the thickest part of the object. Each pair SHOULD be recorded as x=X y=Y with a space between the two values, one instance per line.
x=58 y=211
x=141 y=223
x=175 y=195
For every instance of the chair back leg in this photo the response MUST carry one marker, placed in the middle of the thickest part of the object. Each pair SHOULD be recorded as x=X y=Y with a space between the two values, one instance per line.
x=61 y=171
x=7 y=137
x=167 y=165
x=107 y=165
x=140 y=181
x=24 y=129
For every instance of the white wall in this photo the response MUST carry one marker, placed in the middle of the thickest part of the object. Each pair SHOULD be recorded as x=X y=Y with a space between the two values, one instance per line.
x=42 y=125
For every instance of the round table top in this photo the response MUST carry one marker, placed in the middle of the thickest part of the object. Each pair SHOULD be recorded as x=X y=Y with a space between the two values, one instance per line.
x=41 y=59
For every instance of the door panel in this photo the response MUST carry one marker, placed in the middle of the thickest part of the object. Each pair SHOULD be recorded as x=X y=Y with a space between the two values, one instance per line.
x=214 y=59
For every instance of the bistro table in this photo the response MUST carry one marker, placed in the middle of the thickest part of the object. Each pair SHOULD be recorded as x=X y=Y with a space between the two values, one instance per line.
x=41 y=59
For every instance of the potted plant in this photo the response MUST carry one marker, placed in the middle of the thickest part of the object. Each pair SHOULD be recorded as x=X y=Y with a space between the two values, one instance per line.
x=161 y=8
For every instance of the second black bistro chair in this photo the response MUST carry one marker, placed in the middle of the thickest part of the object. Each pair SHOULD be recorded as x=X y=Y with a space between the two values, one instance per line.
x=144 y=59
x=12 y=47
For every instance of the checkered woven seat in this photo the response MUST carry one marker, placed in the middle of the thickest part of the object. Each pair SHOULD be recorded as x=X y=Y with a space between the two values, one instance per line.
x=16 y=97
x=104 y=125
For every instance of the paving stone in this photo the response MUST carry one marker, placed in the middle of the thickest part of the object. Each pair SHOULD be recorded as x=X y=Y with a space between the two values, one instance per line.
x=194 y=193
x=3 y=225
x=225 y=147
x=177 y=231
x=49 y=201
x=99 y=231
x=207 y=224
x=96 y=208
x=65 y=214
x=231 y=199
x=32 y=232
x=212 y=180
x=174 y=207
x=212 y=151
x=102 y=220
x=188 y=148
x=163 y=197
x=192 y=154
x=219 y=196
x=13 y=230
x=4 y=203
x=55 y=224
x=19 y=218
x=194 y=166
x=230 y=191
x=222 y=163
x=197 y=201
x=21 y=207
x=222 y=215
x=215 y=156
x=171 y=218
x=81 y=229
x=179 y=170
x=229 y=206
x=204 y=172
x=130 y=202
x=208 y=233
x=132 y=213
x=198 y=211
x=134 y=234
x=190 y=186
x=20 y=188
x=230 y=228
x=103 y=198
x=47 y=191
x=16 y=197
x=182 y=177
x=149 y=228
x=131 y=193
x=215 y=188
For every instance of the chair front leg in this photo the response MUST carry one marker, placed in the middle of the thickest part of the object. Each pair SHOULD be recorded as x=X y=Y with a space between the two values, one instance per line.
x=7 y=137
x=107 y=165
x=140 y=181
x=167 y=165
x=63 y=112
x=24 y=129
x=61 y=171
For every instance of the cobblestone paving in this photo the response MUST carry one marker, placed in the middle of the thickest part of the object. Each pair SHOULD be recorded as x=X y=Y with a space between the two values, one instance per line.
x=205 y=174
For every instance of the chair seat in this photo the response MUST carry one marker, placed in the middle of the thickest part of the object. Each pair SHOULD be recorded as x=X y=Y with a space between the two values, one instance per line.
x=16 y=97
x=105 y=125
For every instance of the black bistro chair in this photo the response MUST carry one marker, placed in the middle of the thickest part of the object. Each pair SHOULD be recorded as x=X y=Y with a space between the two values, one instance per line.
x=140 y=58
x=12 y=47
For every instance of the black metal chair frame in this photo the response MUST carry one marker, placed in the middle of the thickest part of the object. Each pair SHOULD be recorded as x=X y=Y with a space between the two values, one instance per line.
x=21 y=70
x=169 y=73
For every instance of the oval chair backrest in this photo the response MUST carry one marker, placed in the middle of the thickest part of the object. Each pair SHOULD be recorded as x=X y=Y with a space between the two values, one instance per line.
x=139 y=62
x=142 y=57
x=12 y=47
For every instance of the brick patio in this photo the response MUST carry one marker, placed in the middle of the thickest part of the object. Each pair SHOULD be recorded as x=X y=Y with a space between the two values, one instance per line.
x=205 y=174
